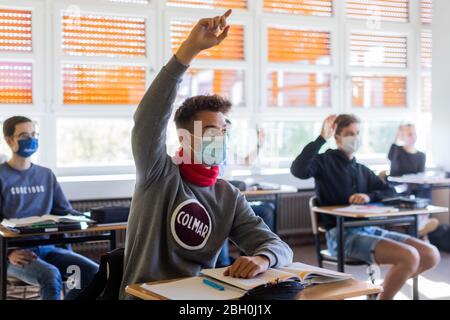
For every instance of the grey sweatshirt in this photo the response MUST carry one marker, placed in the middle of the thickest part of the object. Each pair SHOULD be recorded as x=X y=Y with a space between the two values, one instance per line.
x=175 y=228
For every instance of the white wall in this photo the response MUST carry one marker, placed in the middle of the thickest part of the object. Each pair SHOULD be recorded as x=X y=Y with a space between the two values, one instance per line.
x=441 y=83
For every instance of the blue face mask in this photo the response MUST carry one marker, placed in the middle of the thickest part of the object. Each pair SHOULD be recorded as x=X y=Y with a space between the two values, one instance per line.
x=28 y=147
x=214 y=150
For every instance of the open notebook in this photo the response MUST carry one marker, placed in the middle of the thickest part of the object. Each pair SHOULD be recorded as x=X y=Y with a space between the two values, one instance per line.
x=234 y=288
x=46 y=219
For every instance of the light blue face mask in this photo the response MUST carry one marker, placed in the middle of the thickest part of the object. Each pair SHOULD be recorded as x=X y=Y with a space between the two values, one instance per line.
x=214 y=150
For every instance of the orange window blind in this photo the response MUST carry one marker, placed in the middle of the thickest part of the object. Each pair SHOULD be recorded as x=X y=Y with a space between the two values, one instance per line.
x=16 y=82
x=426 y=11
x=295 y=89
x=375 y=50
x=231 y=48
x=321 y=8
x=426 y=49
x=426 y=85
x=103 y=84
x=226 y=83
x=383 y=10
x=379 y=92
x=299 y=46
x=101 y=35
x=15 y=30
x=210 y=4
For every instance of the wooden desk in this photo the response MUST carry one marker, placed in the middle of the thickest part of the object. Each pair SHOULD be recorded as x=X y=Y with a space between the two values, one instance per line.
x=433 y=181
x=331 y=211
x=409 y=217
x=16 y=240
x=331 y=291
x=283 y=189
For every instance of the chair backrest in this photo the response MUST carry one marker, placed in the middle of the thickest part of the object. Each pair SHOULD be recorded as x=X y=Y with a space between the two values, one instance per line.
x=107 y=281
x=313 y=202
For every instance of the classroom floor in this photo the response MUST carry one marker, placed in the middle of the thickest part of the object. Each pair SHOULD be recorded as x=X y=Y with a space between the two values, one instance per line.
x=433 y=285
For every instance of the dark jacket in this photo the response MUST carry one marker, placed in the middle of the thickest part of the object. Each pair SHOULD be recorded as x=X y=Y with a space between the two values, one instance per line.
x=337 y=178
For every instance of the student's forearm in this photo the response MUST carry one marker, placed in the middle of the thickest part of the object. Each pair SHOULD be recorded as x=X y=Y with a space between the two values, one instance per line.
x=302 y=165
x=153 y=114
x=186 y=53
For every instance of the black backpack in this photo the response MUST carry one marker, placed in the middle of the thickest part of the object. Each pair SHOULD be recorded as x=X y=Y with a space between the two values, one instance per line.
x=441 y=237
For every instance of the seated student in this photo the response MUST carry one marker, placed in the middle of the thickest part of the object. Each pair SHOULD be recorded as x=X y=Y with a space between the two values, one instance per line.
x=406 y=159
x=341 y=180
x=181 y=213
x=27 y=189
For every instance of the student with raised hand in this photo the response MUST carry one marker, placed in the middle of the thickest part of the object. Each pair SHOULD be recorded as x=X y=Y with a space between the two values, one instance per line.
x=406 y=159
x=26 y=190
x=181 y=213
x=341 y=180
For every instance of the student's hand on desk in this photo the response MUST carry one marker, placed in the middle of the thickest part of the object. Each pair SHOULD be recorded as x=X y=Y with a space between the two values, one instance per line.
x=248 y=267
x=20 y=258
x=359 y=198
x=328 y=127
x=206 y=34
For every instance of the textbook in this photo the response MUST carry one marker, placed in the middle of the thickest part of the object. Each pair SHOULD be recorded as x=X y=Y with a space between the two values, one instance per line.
x=45 y=220
x=220 y=287
x=304 y=273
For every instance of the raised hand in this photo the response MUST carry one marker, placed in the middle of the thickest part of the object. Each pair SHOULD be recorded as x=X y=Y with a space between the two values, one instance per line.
x=207 y=33
x=328 y=127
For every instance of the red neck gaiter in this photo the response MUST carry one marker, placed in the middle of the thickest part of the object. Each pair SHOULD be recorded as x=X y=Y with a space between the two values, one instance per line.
x=198 y=174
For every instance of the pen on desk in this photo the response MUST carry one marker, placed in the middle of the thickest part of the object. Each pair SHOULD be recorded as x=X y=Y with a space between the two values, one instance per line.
x=213 y=285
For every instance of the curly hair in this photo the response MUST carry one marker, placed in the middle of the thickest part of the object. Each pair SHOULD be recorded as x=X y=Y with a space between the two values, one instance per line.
x=185 y=115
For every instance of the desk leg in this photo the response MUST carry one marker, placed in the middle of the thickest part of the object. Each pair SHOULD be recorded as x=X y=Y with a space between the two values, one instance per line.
x=3 y=267
x=414 y=233
x=112 y=240
x=340 y=243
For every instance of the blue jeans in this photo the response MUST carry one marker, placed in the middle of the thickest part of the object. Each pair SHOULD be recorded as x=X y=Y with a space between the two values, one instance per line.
x=48 y=270
x=264 y=210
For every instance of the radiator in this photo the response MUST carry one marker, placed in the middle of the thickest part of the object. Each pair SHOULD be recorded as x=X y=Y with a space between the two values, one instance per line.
x=293 y=215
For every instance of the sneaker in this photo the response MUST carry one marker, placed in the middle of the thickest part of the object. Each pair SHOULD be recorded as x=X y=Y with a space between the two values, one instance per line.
x=429 y=227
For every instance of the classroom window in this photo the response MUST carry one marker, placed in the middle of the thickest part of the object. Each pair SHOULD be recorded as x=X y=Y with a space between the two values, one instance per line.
x=16 y=77
x=426 y=11
x=209 y=4
x=297 y=89
x=319 y=8
x=378 y=50
x=102 y=84
x=308 y=47
x=231 y=48
x=89 y=35
x=226 y=83
x=284 y=140
x=94 y=142
x=378 y=92
x=16 y=30
x=385 y=133
x=383 y=10
x=16 y=83
x=101 y=35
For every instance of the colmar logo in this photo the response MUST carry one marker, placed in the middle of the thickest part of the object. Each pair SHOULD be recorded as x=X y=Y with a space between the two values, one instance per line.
x=191 y=225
